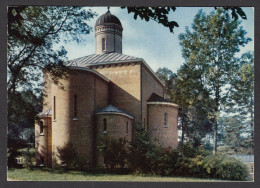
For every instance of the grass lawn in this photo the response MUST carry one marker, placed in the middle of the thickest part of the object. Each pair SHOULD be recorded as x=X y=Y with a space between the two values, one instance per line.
x=61 y=175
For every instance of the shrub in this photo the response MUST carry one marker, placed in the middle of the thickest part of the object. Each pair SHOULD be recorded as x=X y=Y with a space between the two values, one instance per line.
x=68 y=155
x=224 y=167
x=141 y=150
x=28 y=159
x=232 y=169
x=114 y=152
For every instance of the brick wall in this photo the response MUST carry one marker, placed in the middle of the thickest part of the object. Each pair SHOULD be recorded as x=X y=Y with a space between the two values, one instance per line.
x=149 y=85
x=46 y=91
x=125 y=86
x=42 y=147
x=91 y=93
x=168 y=137
x=116 y=129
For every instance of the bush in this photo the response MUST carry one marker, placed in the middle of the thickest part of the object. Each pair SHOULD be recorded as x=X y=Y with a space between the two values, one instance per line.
x=28 y=159
x=187 y=160
x=141 y=151
x=195 y=162
x=114 y=152
x=223 y=167
x=68 y=156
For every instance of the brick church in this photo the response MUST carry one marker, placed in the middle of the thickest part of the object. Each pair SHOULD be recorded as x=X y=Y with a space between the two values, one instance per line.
x=104 y=94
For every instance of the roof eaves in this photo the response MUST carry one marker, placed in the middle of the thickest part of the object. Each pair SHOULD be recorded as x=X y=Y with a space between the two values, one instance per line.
x=150 y=69
x=116 y=113
x=164 y=103
x=89 y=70
x=114 y=62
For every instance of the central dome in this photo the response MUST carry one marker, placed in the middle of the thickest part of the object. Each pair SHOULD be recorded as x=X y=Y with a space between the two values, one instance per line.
x=108 y=31
x=108 y=18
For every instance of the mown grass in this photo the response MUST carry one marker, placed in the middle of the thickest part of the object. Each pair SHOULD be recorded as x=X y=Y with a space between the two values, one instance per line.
x=15 y=174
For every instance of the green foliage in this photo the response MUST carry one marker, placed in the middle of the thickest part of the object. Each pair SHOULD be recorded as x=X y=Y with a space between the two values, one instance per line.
x=32 y=33
x=140 y=151
x=22 y=110
x=114 y=152
x=186 y=160
x=223 y=167
x=167 y=77
x=68 y=156
x=209 y=50
x=239 y=123
x=28 y=159
x=160 y=14
x=196 y=162
x=14 y=143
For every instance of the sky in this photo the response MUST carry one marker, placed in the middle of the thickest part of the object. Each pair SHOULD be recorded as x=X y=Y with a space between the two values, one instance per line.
x=152 y=41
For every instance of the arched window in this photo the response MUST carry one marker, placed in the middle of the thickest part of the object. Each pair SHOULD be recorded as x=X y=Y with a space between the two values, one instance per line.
x=105 y=125
x=166 y=120
x=126 y=130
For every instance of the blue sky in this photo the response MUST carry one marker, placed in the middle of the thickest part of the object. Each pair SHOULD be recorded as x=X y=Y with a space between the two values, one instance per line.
x=150 y=40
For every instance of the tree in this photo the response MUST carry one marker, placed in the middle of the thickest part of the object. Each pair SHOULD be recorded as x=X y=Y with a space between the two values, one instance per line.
x=32 y=33
x=195 y=114
x=240 y=107
x=140 y=150
x=160 y=14
x=166 y=76
x=210 y=50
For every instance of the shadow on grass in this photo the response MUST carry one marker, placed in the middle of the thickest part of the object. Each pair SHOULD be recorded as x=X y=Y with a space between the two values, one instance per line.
x=86 y=172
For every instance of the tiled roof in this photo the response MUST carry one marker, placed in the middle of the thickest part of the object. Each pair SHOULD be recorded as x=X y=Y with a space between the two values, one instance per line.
x=112 y=109
x=46 y=113
x=156 y=98
x=97 y=59
x=245 y=158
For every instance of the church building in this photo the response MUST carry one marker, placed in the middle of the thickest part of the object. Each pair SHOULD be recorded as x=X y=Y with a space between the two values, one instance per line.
x=104 y=94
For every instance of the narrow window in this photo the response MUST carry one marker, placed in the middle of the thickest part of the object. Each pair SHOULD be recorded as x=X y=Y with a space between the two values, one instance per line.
x=75 y=110
x=41 y=127
x=165 y=120
x=105 y=124
x=126 y=128
x=103 y=44
x=54 y=108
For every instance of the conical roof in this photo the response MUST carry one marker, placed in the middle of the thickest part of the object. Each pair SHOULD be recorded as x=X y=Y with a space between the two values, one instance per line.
x=110 y=109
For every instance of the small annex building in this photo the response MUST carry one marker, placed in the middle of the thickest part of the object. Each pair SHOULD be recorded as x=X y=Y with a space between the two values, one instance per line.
x=104 y=94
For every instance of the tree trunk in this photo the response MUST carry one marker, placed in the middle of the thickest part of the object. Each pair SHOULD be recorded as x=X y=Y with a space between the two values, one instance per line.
x=182 y=130
x=215 y=144
x=215 y=137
